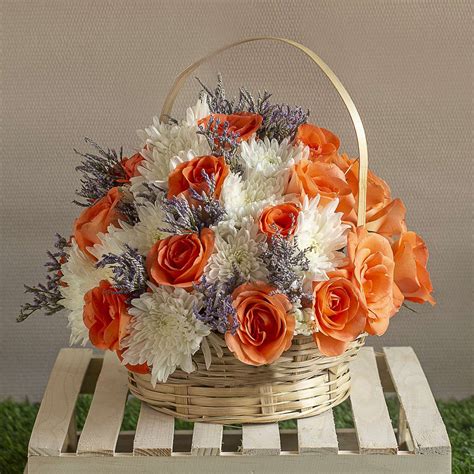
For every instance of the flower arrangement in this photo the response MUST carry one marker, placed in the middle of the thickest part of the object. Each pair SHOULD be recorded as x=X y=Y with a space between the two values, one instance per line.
x=237 y=223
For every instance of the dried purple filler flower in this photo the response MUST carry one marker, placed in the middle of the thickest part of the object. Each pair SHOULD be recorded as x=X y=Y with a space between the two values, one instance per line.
x=216 y=99
x=129 y=272
x=100 y=173
x=222 y=142
x=218 y=311
x=280 y=121
x=183 y=217
x=285 y=262
x=151 y=192
x=128 y=209
x=46 y=297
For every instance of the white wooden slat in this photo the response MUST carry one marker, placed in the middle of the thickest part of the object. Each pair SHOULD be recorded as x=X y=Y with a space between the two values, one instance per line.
x=261 y=439
x=207 y=439
x=104 y=419
x=371 y=418
x=59 y=400
x=183 y=463
x=154 y=434
x=317 y=434
x=424 y=421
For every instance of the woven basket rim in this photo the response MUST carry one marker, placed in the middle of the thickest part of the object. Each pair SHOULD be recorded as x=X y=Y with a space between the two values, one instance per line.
x=301 y=383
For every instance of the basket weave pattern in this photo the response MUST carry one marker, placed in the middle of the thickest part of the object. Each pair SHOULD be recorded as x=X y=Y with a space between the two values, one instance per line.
x=302 y=383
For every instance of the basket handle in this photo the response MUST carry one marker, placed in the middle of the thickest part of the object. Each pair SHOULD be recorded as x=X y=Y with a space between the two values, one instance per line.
x=359 y=129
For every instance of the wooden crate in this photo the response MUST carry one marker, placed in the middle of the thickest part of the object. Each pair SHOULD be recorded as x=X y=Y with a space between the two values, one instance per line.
x=420 y=444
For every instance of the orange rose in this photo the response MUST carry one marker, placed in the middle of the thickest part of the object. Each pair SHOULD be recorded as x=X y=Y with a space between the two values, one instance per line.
x=190 y=175
x=179 y=260
x=138 y=369
x=319 y=140
x=340 y=313
x=411 y=276
x=105 y=315
x=280 y=218
x=389 y=221
x=243 y=123
x=326 y=179
x=384 y=215
x=372 y=266
x=130 y=166
x=265 y=327
x=96 y=219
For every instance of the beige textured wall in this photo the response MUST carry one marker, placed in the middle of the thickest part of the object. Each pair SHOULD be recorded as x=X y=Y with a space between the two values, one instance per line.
x=100 y=69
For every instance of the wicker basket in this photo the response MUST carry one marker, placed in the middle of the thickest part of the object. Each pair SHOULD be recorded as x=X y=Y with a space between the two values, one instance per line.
x=303 y=382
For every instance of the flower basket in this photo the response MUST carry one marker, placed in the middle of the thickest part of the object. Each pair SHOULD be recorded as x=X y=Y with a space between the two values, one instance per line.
x=237 y=262
x=303 y=382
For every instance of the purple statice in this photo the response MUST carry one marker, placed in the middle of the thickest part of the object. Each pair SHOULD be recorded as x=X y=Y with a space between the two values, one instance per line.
x=47 y=296
x=285 y=263
x=209 y=211
x=218 y=102
x=100 y=173
x=183 y=217
x=216 y=98
x=248 y=103
x=218 y=312
x=280 y=121
x=128 y=210
x=222 y=141
x=151 y=192
x=129 y=272
x=180 y=216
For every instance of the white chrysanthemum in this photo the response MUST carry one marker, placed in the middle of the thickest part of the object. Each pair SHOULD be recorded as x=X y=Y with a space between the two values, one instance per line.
x=140 y=236
x=247 y=197
x=198 y=112
x=164 y=332
x=304 y=320
x=148 y=229
x=169 y=145
x=322 y=234
x=178 y=144
x=79 y=276
x=270 y=157
x=113 y=241
x=237 y=248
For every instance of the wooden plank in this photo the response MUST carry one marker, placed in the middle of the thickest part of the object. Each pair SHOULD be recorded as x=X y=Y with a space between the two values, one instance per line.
x=57 y=408
x=353 y=463
x=424 y=421
x=232 y=441
x=263 y=439
x=154 y=435
x=371 y=418
x=317 y=434
x=103 y=421
x=207 y=439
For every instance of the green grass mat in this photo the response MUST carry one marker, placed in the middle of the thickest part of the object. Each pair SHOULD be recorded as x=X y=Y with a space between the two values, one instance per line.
x=16 y=422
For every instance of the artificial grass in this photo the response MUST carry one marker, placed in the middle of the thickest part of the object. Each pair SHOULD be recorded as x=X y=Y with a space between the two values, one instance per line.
x=16 y=422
